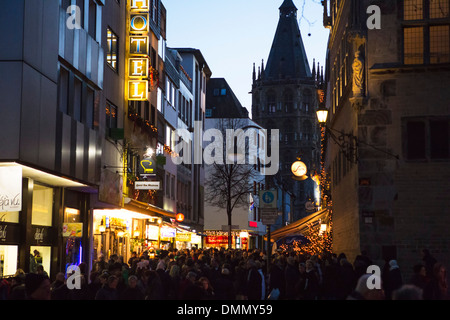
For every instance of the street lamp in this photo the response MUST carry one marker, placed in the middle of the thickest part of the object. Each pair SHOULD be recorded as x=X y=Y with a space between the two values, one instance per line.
x=322 y=115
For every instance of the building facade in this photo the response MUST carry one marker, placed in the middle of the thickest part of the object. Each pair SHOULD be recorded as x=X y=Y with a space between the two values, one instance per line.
x=283 y=97
x=81 y=177
x=387 y=88
x=224 y=111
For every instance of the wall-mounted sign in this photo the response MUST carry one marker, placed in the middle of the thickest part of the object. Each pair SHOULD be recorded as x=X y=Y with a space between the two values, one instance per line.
x=42 y=235
x=10 y=189
x=138 y=59
x=183 y=237
x=9 y=234
x=167 y=232
x=147 y=166
x=72 y=230
x=138 y=90
x=147 y=185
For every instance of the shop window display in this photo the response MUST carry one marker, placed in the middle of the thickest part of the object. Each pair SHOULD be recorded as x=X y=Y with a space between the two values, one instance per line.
x=42 y=206
x=8 y=260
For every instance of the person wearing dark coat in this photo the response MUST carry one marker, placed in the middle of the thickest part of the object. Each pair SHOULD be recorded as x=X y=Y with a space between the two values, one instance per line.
x=393 y=279
x=276 y=278
x=132 y=292
x=254 y=282
x=109 y=290
x=224 y=288
x=291 y=276
x=312 y=282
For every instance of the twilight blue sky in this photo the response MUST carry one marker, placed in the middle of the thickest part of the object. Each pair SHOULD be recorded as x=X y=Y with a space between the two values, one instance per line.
x=234 y=34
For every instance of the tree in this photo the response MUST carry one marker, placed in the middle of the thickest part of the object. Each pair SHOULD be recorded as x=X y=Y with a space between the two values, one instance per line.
x=229 y=182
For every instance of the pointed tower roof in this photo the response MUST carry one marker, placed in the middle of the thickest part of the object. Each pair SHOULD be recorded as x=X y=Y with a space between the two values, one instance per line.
x=287 y=56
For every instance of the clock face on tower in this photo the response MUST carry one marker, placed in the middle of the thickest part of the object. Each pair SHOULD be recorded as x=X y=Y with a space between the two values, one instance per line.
x=299 y=169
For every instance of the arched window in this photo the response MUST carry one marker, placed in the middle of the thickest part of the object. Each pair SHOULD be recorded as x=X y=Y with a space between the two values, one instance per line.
x=307 y=101
x=271 y=102
x=288 y=101
x=307 y=130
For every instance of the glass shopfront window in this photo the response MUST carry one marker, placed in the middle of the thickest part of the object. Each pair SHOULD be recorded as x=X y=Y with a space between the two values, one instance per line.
x=40 y=256
x=8 y=260
x=42 y=206
x=72 y=233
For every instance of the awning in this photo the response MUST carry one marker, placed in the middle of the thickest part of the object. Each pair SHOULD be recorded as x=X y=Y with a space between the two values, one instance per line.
x=146 y=208
x=299 y=227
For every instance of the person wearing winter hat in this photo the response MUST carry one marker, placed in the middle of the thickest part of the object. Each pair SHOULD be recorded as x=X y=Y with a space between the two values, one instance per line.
x=37 y=287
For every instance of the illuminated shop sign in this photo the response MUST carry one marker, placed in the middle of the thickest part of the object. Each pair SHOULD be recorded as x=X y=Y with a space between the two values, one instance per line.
x=10 y=189
x=138 y=59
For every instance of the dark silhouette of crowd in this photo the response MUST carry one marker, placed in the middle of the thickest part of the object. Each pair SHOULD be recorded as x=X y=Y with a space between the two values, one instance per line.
x=219 y=274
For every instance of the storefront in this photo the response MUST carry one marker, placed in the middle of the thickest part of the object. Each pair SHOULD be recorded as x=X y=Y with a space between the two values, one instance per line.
x=219 y=239
x=124 y=231
x=32 y=214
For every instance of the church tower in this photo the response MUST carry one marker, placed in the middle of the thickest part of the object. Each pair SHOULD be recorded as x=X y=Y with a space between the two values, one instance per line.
x=284 y=98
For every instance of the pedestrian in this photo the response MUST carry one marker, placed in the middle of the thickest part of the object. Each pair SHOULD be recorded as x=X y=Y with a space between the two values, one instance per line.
x=393 y=279
x=429 y=262
x=276 y=278
x=132 y=292
x=224 y=289
x=37 y=287
x=155 y=287
x=291 y=276
x=253 y=289
x=311 y=291
x=207 y=290
x=109 y=290
x=189 y=289
x=419 y=277
x=17 y=289
x=330 y=278
x=347 y=279
x=301 y=282
x=437 y=288
x=175 y=280
x=408 y=292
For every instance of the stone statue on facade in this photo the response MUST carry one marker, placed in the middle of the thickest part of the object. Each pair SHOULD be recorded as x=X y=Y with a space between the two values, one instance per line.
x=358 y=75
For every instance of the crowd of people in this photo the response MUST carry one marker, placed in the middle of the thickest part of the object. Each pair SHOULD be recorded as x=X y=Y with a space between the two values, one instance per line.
x=218 y=274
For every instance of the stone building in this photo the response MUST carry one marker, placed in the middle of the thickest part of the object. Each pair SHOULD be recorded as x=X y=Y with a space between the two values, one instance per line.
x=388 y=87
x=283 y=97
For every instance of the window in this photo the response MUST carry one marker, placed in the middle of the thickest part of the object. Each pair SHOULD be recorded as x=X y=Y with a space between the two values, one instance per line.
x=111 y=117
x=271 y=102
x=42 y=208
x=77 y=99
x=439 y=9
x=413 y=45
x=427 y=139
x=416 y=140
x=63 y=88
x=89 y=111
x=439 y=139
x=92 y=19
x=307 y=97
x=223 y=92
x=112 y=54
x=439 y=44
x=426 y=32
x=413 y=9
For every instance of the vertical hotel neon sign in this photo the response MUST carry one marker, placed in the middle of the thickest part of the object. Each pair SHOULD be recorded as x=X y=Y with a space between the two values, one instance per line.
x=138 y=53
